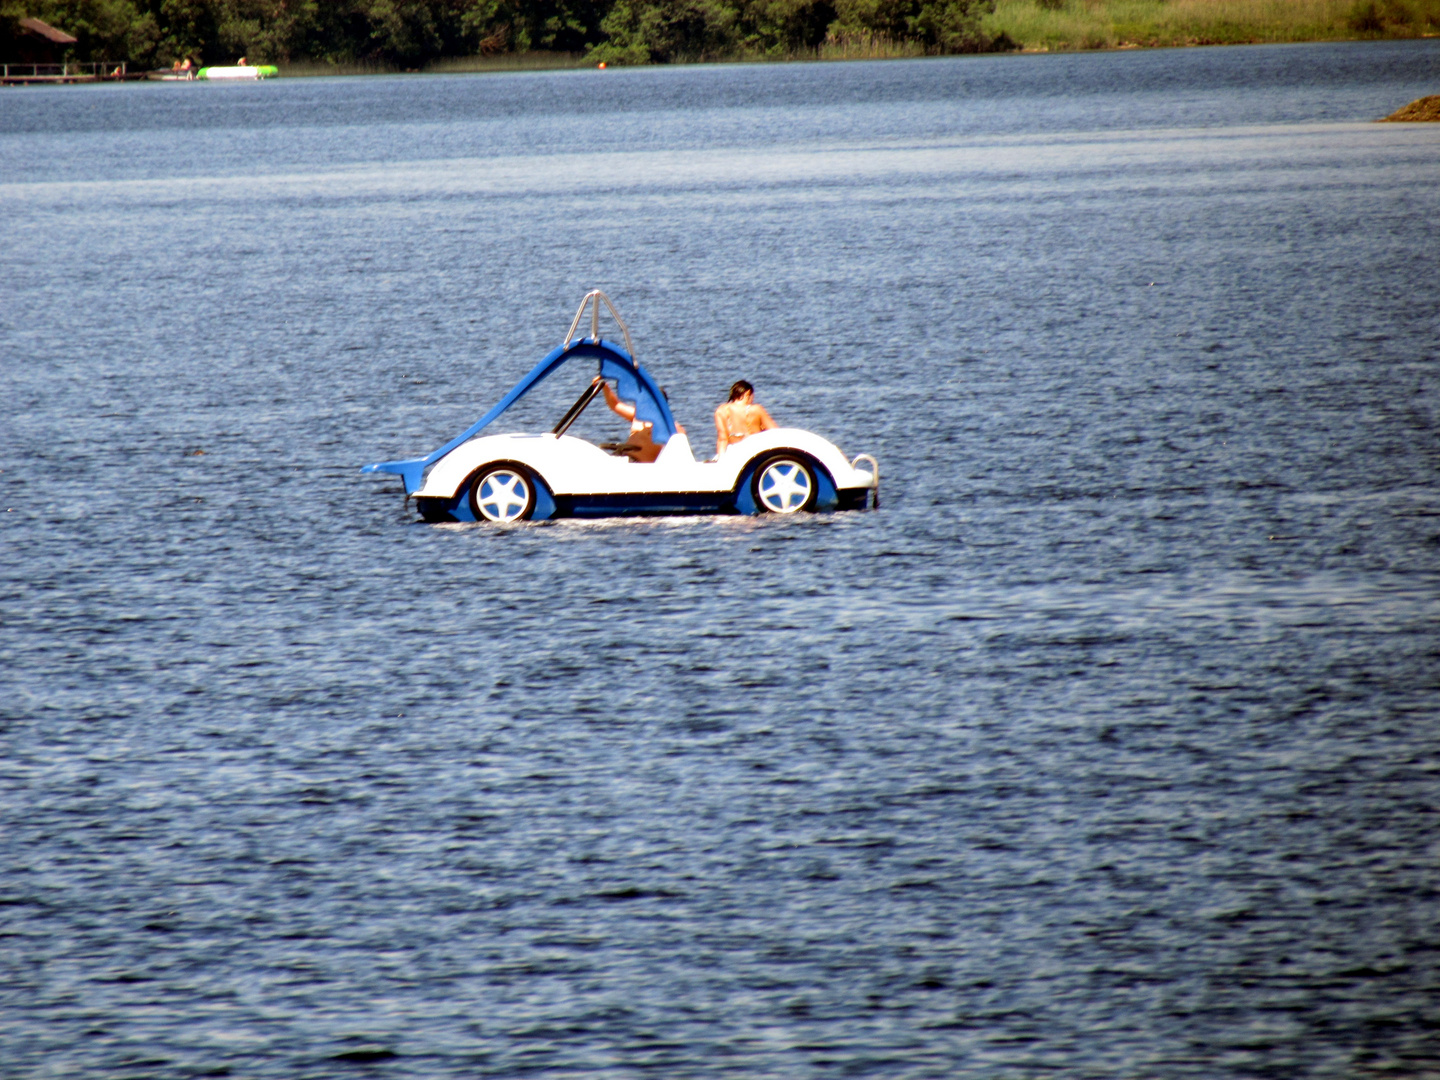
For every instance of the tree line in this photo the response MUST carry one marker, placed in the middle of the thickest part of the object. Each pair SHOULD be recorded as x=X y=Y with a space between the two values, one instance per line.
x=411 y=33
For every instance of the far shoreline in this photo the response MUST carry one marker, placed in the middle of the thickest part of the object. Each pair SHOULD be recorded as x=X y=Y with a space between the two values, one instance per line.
x=527 y=62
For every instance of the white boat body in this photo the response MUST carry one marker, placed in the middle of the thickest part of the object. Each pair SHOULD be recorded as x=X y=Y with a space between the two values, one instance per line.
x=576 y=470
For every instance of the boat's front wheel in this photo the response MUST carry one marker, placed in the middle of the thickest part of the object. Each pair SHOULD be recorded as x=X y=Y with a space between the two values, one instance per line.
x=503 y=493
x=785 y=485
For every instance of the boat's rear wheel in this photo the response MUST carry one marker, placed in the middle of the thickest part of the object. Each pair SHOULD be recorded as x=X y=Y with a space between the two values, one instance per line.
x=502 y=494
x=785 y=484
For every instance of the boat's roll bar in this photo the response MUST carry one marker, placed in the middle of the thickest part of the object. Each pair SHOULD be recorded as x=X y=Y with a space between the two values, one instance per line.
x=593 y=298
x=874 y=476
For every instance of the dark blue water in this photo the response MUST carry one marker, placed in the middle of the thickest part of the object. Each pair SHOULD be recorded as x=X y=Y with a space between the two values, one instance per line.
x=1108 y=747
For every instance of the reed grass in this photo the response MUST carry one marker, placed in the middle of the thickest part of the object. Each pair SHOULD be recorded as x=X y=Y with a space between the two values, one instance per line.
x=1055 y=25
x=526 y=61
x=305 y=69
x=861 y=47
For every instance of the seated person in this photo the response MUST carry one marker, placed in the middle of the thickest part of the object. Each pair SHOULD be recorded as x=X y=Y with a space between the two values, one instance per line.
x=641 y=446
x=739 y=417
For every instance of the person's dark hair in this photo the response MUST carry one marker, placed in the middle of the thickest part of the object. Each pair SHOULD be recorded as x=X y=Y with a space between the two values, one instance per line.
x=740 y=389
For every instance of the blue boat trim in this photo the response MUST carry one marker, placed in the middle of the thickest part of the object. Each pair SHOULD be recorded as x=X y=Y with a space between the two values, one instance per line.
x=457 y=507
x=633 y=383
x=634 y=505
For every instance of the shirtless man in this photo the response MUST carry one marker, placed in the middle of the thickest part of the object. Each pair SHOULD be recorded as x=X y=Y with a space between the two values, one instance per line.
x=641 y=446
x=739 y=416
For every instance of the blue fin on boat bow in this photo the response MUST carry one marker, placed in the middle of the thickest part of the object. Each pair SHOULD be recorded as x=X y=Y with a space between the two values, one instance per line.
x=412 y=472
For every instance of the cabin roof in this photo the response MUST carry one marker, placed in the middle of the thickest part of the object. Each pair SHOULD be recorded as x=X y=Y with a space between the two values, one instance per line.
x=48 y=32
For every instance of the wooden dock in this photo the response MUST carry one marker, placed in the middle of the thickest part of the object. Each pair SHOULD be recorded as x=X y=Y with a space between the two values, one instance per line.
x=40 y=74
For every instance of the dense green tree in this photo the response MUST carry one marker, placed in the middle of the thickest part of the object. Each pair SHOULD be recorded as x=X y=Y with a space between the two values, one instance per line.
x=949 y=26
x=522 y=25
x=779 y=27
x=664 y=31
x=187 y=29
x=408 y=33
x=105 y=29
x=262 y=30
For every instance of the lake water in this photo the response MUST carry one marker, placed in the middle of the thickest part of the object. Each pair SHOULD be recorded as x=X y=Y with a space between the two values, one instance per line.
x=1107 y=747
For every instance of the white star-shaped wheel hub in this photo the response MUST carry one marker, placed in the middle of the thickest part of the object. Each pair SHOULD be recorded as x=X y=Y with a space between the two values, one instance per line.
x=784 y=487
x=503 y=496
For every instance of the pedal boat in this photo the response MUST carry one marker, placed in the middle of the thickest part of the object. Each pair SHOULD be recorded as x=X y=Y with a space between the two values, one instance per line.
x=523 y=476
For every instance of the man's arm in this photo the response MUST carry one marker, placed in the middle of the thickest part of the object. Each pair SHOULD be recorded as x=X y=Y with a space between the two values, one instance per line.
x=621 y=408
x=721 y=439
x=766 y=424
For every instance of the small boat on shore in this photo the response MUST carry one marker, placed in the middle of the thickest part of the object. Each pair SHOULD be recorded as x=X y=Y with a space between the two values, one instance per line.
x=240 y=71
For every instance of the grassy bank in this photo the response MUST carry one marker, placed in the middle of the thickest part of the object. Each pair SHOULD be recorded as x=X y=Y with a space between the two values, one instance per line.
x=1109 y=24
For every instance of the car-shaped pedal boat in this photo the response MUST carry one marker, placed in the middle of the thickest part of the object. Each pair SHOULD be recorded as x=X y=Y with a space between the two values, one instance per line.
x=520 y=477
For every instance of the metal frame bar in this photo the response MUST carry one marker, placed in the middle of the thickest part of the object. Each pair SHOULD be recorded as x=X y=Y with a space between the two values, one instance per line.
x=573 y=413
x=593 y=298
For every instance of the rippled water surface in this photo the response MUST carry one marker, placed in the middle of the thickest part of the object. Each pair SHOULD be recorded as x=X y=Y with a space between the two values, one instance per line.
x=1107 y=747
